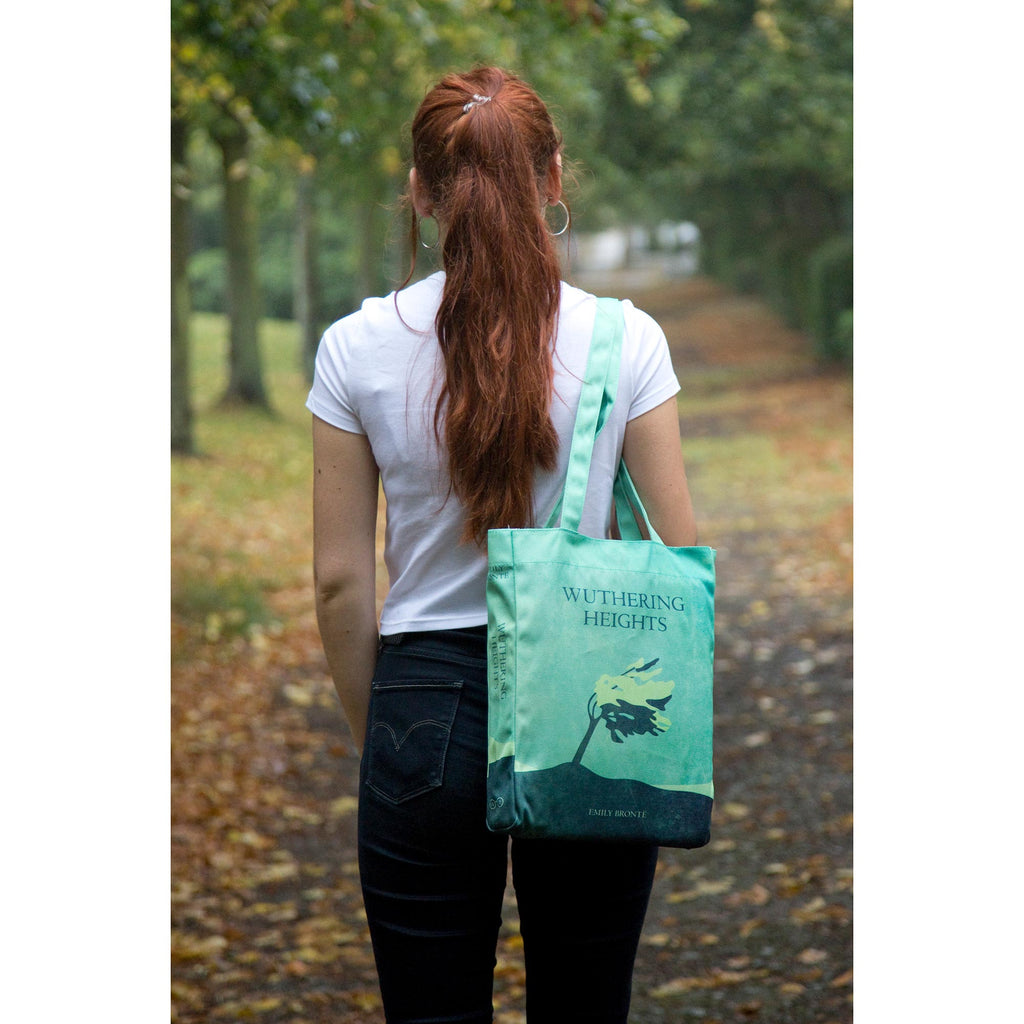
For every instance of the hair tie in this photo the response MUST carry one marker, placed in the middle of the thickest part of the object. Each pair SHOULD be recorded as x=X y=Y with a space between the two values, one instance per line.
x=475 y=101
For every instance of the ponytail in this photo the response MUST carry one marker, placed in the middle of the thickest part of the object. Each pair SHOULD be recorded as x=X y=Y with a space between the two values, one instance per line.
x=483 y=145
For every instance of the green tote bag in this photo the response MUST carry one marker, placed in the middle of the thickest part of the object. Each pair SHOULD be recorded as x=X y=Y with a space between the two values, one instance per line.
x=599 y=660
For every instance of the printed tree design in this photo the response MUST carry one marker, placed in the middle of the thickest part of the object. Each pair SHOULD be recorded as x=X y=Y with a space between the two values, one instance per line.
x=629 y=705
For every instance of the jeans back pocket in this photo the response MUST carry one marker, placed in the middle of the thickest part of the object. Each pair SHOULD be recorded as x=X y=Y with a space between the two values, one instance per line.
x=407 y=741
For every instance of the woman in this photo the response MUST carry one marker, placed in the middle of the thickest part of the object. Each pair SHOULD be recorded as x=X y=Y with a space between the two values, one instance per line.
x=459 y=394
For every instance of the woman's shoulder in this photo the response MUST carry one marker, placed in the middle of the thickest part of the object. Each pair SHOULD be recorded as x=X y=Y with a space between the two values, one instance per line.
x=409 y=310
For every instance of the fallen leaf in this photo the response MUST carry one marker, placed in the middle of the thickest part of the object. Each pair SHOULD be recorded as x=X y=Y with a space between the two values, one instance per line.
x=675 y=987
x=190 y=947
x=715 y=978
x=702 y=888
x=757 y=896
x=735 y=811
x=812 y=956
x=343 y=805
x=810 y=911
x=266 y=1004
x=295 y=813
x=298 y=694
x=807 y=976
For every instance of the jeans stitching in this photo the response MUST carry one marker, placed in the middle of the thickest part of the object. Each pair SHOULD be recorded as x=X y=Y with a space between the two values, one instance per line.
x=451 y=687
x=398 y=743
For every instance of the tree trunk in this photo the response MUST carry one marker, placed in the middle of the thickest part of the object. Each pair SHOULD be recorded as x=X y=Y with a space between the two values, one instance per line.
x=245 y=370
x=182 y=440
x=586 y=739
x=307 y=280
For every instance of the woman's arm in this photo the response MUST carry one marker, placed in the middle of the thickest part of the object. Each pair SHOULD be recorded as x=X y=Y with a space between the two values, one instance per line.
x=345 y=488
x=653 y=453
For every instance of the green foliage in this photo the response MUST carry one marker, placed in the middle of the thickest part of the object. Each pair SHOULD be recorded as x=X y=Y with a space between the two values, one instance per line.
x=232 y=605
x=274 y=199
x=207 y=278
x=276 y=275
x=736 y=114
x=830 y=282
x=207 y=274
x=748 y=133
x=233 y=62
x=334 y=86
x=782 y=277
x=841 y=348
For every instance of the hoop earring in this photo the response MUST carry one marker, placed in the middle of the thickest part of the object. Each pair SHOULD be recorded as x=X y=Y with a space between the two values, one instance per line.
x=568 y=218
x=419 y=230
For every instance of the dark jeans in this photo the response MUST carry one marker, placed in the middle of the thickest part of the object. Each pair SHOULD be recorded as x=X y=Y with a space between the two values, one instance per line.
x=433 y=876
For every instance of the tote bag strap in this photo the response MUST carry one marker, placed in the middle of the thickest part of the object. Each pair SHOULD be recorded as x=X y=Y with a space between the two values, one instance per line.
x=628 y=507
x=596 y=399
x=601 y=381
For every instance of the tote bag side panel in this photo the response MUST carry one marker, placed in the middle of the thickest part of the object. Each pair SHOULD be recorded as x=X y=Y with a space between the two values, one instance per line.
x=502 y=812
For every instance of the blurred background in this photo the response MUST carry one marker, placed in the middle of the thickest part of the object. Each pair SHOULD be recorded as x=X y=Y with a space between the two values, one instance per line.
x=711 y=148
x=718 y=130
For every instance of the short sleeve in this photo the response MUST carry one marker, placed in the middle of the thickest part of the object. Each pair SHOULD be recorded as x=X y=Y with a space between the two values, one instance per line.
x=654 y=378
x=329 y=397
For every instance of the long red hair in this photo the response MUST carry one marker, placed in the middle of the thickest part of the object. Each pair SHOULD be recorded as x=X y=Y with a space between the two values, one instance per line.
x=485 y=168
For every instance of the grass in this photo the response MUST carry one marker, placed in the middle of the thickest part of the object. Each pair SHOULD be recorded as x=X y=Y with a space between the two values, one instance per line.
x=227 y=605
x=241 y=522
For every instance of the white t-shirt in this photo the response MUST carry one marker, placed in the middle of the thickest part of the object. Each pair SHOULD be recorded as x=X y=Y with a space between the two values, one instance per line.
x=378 y=374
